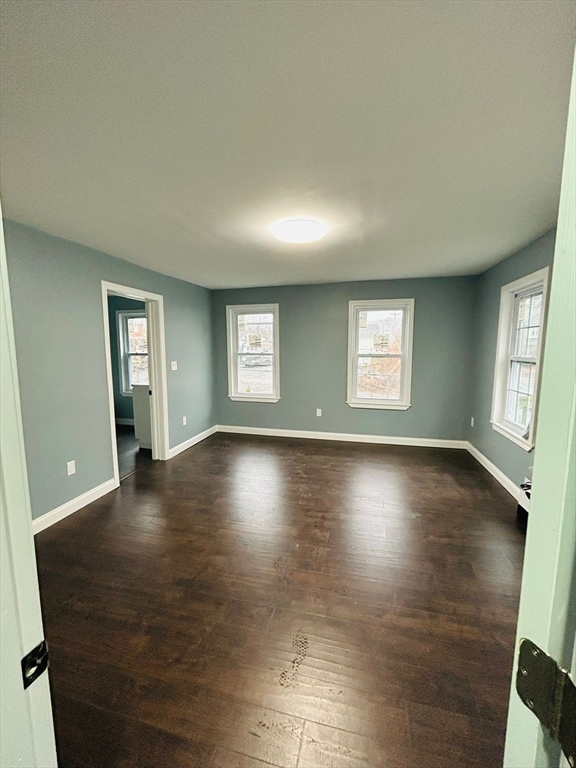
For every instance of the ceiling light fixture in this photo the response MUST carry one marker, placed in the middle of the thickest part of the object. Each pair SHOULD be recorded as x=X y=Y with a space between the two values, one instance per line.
x=299 y=230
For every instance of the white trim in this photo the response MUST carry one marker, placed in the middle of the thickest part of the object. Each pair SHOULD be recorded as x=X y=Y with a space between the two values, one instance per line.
x=509 y=485
x=354 y=308
x=55 y=515
x=158 y=377
x=377 y=404
x=423 y=442
x=125 y=422
x=524 y=444
x=508 y=294
x=122 y=333
x=232 y=312
x=157 y=368
x=192 y=441
x=27 y=713
x=249 y=399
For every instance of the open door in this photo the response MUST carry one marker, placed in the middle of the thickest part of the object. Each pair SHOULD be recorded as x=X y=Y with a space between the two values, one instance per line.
x=547 y=614
x=26 y=724
x=157 y=389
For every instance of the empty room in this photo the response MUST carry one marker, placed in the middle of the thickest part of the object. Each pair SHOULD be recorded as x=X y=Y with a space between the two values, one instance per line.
x=288 y=384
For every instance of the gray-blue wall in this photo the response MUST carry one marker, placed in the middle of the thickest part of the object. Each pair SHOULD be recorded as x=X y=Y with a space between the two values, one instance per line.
x=507 y=456
x=123 y=406
x=57 y=305
x=313 y=358
x=56 y=295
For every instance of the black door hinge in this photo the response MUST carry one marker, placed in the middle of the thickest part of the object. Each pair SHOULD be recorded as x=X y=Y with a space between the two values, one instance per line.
x=34 y=664
x=550 y=693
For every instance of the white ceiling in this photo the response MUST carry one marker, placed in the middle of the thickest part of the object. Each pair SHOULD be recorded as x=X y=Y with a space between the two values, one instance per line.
x=428 y=135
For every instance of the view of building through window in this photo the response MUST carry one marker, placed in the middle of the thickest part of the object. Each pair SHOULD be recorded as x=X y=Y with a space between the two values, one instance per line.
x=255 y=353
x=523 y=358
x=134 y=349
x=379 y=346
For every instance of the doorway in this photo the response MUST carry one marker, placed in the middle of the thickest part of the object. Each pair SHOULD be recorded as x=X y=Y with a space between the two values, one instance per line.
x=136 y=372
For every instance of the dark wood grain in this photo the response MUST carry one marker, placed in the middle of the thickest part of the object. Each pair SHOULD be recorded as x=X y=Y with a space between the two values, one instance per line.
x=130 y=456
x=288 y=603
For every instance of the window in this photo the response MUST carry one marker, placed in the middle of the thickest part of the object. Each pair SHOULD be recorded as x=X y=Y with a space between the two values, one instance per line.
x=520 y=333
x=253 y=365
x=133 y=347
x=380 y=353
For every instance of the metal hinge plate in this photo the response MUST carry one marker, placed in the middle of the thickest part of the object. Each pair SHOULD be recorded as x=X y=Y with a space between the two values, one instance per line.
x=34 y=664
x=549 y=692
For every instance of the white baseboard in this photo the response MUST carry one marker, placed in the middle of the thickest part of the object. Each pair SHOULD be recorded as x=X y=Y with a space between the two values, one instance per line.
x=422 y=442
x=125 y=422
x=192 y=441
x=514 y=490
x=55 y=515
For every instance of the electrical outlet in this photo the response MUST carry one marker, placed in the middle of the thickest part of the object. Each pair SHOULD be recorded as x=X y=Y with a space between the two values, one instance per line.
x=71 y=467
x=472 y=421
x=174 y=365
x=318 y=411
x=184 y=420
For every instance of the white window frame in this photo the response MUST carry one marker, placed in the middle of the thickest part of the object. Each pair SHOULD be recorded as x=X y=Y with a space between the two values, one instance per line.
x=355 y=307
x=122 y=315
x=232 y=313
x=509 y=295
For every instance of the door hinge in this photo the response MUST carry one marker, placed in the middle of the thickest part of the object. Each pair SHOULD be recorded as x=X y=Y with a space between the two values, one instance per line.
x=34 y=663
x=550 y=693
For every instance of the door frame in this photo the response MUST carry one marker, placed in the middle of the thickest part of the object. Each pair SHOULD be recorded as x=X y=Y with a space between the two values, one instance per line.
x=156 y=367
x=547 y=613
x=26 y=720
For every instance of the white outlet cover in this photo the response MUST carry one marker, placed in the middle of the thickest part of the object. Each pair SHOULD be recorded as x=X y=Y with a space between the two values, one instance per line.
x=71 y=467
x=184 y=420
x=318 y=411
x=174 y=365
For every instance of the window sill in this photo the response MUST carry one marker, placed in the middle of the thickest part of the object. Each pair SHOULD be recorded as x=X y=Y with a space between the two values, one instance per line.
x=379 y=406
x=256 y=399
x=516 y=439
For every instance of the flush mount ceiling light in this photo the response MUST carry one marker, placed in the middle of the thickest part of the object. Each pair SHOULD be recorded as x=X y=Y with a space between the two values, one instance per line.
x=299 y=230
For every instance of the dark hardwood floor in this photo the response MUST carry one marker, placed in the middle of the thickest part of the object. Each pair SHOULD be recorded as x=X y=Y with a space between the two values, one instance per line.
x=130 y=456
x=257 y=602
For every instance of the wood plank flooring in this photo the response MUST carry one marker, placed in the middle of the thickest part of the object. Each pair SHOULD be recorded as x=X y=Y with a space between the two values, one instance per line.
x=130 y=456
x=271 y=602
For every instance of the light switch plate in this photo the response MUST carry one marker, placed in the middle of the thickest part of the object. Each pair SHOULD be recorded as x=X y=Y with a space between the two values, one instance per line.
x=174 y=365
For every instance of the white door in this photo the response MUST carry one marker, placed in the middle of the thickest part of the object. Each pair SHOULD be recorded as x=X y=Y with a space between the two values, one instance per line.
x=26 y=725
x=548 y=600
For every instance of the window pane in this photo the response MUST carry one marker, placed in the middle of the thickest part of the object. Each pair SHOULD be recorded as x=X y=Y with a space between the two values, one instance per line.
x=256 y=333
x=524 y=311
x=532 y=342
x=521 y=342
x=536 y=309
x=137 y=337
x=255 y=375
x=525 y=375
x=514 y=375
x=523 y=409
x=511 y=405
x=380 y=331
x=378 y=377
x=138 y=369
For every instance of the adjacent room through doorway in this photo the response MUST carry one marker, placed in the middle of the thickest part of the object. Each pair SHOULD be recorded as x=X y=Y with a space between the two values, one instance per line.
x=128 y=329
